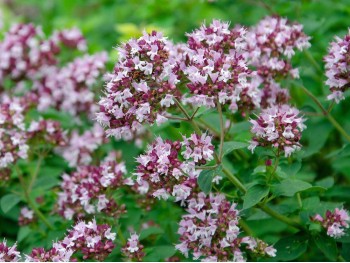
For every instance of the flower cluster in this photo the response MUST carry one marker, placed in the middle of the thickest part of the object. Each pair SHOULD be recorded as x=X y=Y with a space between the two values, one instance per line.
x=13 y=138
x=47 y=131
x=88 y=190
x=258 y=247
x=162 y=172
x=72 y=38
x=25 y=50
x=69 y=88
x=216 y=68
x=272 y=94
x=210 y=231
x=279 y=127
x=9 y=254
x=79 y=148
x=198 y=148
x=133 y=249
x=337 y=68
x=26 y=216
x=92 y=240
x=272 y=43
x=142 y=87
x=335 y=223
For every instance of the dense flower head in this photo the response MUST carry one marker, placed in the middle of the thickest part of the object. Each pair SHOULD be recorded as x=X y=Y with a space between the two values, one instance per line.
x=272 y=43
x=272 y=94
x=55 y=254
x=334 y=222
x=162 y=171
x=338 y=67
x=216 y=69
x=80 y=148
x=13 y=137
x=72 y=38
x=92 y=240
x=133 y=249
x=198 y=148
x=210 y=231
x=9 y=253
x=47 y=131
x=279 y=127
x=88 y=191
x=26 y=216
x=69 y=88
x=25 y=50
x=141 y=88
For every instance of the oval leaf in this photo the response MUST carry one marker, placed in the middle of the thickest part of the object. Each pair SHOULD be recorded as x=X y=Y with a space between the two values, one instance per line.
x=290 y=187
x=327 y=246
x=230 y=146
x=290 y=248
x=9 y=201
x=205 y=180
x=254 y=195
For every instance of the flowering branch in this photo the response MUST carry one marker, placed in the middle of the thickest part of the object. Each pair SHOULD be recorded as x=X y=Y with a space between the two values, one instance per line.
x=29 y=200
x=222 y=131
x=327 y=114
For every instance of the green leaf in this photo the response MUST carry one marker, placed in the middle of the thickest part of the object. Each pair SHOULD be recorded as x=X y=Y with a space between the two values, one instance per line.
x=254 y=195
x=230 y=146
x=327 y=246
x=203 y=110
x=345 y=252
x=9 y=201
x=346 y=237
x=160 y=253
x=46 y=182
x=151 y=231
x=23 y=233
x=205 y=179
x=290 y=248
x=290 y=187
x=327 y=182
x=291 y=169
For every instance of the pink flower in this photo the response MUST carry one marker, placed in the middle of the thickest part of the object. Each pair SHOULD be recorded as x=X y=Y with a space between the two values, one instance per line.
x=9 y=254
x=334 y=222
x=216 y=69
x=142 y=87
x=133 y=249
x=94 y=241
x=210 y=231
x=337 y=68
x=88 y=191
x=278 y=127
x=272 y=43
x=165 y=173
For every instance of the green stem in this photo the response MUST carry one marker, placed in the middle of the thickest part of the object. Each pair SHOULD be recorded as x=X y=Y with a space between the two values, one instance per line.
x=313 y=61
x=121 y=236
x=222 y=131
x=327 y=114
x=182 y=109
x=300 y=202
x=245 y=227
x=338 y=126
x=280 y=217
x=212 y=167
x=30 y=202
x=175 y=118
x=36 y=172
x=194 y=113
x=234 y=180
